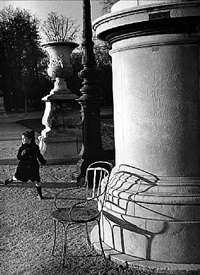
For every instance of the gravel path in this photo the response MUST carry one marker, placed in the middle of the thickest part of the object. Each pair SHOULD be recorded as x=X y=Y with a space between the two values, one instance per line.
x=27 y=230
x=26 y=225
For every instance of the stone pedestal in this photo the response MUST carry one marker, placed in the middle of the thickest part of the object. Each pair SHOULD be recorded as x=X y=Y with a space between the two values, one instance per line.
x=59 y=142
x=152 y=212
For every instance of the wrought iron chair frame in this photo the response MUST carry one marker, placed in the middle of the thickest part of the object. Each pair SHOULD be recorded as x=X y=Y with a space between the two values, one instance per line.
x=97 y=194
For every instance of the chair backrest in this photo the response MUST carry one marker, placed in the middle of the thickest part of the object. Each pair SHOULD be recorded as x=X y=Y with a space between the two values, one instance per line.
x=104 y=164
x=97 y=164
x=96 y=180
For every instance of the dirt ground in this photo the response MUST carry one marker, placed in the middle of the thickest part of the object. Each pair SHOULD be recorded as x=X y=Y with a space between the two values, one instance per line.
x=27 y=230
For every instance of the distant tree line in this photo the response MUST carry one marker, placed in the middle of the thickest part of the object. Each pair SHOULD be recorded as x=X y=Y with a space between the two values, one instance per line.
x=23 y=62
x=20 y=56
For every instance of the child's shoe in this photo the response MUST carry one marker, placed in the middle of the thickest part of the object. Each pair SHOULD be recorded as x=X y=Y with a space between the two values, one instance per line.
x=7 y=181
x=40 y=197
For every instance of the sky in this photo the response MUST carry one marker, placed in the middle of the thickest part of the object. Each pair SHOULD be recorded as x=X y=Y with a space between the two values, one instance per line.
x=69 y=8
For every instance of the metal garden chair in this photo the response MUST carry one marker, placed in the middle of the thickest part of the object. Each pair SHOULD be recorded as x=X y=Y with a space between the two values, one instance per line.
x=81 y=206
x=104 y=164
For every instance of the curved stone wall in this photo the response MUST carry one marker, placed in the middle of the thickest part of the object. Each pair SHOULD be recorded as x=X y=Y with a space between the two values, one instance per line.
x=156 y=84
x=153 y=197
x=152 y=218
x=125 y=4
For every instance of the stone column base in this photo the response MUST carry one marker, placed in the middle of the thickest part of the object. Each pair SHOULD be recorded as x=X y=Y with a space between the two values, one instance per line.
x=153 y=219
x=141 y=264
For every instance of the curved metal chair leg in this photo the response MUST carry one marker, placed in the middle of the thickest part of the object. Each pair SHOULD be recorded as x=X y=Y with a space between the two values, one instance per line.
x=100 y=240
x=54 y=242
x=87 y=234
x=64 y=244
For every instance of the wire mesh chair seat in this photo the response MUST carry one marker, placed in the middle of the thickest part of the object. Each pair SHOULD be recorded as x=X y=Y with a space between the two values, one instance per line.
x=81 y=206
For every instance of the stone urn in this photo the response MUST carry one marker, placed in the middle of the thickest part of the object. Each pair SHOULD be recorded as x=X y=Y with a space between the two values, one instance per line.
x=60 y=67
x=54 y=141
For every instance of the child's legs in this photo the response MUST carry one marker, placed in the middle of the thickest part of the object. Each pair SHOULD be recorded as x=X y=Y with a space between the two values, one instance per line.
x=39 y=189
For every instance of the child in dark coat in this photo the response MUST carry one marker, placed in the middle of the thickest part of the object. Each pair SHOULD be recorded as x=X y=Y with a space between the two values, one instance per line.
x=28 y=167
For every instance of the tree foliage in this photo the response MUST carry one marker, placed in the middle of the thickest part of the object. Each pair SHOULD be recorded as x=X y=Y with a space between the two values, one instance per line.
x=104 y=66
x=59 y=28
x=19 y=57
x=107 y=4
x=23 y=64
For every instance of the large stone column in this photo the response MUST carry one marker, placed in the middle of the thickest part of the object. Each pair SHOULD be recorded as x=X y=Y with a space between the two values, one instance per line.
x=152 y=213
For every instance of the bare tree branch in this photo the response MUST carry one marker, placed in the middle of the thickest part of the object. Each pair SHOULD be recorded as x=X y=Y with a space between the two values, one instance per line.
x=59 y=28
